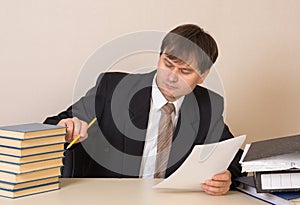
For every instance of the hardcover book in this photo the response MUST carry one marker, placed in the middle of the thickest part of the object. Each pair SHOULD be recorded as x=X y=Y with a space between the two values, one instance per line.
x=30 y=158
x=31 y=130
x=29 y=167
x=23 y=185
x=7 y=150
x=10 y=177
x=18 y=143
x=29 y=190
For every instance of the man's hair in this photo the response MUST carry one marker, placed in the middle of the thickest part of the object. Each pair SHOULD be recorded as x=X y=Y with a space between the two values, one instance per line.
x=189 y=42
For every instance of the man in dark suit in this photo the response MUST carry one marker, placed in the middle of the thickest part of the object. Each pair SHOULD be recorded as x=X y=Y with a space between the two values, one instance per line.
x=123 y=143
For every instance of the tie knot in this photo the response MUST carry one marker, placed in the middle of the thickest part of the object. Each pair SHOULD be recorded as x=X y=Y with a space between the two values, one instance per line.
x=168 y=108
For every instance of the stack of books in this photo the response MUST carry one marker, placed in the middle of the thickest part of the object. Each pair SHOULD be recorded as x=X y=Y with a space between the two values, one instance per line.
x=275 y=164
x=30 y=158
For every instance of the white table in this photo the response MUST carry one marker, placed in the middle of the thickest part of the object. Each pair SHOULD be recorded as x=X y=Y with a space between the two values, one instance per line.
x=125 y=192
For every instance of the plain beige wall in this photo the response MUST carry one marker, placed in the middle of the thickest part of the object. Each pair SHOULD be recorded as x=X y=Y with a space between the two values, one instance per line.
x=44 y=43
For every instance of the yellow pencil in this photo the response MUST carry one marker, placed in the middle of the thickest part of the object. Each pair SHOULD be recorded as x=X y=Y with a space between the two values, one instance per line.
x=78 y=136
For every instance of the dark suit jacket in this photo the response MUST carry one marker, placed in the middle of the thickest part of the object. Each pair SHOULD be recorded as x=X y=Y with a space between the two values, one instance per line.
x=121 y=103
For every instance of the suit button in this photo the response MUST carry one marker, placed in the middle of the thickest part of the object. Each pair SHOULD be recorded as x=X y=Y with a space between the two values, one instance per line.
x=106 y=149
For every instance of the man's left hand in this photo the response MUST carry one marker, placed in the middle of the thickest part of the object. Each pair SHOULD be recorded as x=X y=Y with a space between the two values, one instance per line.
x=218 y=185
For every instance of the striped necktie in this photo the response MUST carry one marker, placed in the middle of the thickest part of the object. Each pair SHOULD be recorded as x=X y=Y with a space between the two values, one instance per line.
x=164 y=140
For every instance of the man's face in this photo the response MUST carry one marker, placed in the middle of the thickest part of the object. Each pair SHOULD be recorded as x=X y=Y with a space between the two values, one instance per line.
x=176 y=79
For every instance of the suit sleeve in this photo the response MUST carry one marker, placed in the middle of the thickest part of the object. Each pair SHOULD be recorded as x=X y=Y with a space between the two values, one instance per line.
x=219 y=131
x=76 y=159
x=234 y=167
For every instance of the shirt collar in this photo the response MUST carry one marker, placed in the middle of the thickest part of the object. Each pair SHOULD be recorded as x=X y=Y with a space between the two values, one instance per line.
x=158 y=99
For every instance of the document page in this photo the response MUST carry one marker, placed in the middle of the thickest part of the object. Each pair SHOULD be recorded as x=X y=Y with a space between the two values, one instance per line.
x=203 y=163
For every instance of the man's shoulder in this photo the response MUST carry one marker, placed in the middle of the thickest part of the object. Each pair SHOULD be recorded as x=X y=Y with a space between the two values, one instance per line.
x=117 y=76
x=124 y=81
x=113 y=75
x=203 y=92
x=208 y=99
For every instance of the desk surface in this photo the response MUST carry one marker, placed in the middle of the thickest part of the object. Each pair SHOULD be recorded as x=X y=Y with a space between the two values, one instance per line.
x=125 y=192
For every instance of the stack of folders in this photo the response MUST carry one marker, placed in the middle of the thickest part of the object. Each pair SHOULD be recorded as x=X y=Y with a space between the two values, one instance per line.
x=30 y=158
x=275 y=164
x=247 y=185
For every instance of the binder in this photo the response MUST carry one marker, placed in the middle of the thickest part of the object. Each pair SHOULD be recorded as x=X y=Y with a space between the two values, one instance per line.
x=272 y=155
x=273 y=147
x=247 y=186
x=278 y=181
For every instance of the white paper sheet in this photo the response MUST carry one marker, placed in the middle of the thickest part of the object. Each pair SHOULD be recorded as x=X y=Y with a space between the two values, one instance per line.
x=203 y=163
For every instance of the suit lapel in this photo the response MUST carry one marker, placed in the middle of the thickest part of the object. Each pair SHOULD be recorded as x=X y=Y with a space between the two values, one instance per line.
x=136 y=128
x=185 y=132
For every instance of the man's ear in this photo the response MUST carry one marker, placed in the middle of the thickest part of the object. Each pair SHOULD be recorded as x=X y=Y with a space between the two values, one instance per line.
x=203 y=76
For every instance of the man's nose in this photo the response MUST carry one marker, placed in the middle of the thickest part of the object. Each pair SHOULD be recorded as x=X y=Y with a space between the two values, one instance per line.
x=173 y=75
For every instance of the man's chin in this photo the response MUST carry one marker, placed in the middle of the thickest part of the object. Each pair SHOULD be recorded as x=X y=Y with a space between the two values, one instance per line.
x=171 y=96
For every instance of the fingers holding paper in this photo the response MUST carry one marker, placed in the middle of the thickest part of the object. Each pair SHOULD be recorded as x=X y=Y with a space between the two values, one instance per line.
x=218 y=185
x=75 y=127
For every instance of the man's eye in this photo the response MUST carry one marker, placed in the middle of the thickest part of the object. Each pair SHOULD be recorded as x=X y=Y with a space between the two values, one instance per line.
x=186 y=71
x=168 y=65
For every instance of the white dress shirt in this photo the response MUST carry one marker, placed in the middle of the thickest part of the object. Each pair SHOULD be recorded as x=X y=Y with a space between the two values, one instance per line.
x=149 y=154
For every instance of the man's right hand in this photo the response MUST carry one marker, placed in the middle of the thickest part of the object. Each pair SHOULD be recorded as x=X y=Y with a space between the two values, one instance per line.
x=75 y=127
